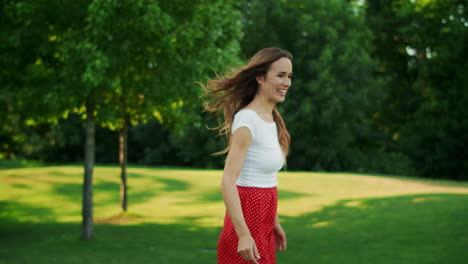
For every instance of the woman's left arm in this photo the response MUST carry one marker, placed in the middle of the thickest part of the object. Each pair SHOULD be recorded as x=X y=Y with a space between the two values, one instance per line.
x=280 y=236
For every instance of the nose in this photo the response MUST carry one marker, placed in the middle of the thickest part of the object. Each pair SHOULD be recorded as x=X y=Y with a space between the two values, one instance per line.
x=287 y=82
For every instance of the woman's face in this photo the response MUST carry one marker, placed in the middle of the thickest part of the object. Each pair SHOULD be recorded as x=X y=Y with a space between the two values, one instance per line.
x=275 y=84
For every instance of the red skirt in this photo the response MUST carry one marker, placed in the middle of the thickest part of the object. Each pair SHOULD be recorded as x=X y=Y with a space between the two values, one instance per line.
x=259 y=209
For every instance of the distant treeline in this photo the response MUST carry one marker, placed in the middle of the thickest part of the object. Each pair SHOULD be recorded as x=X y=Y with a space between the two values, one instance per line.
x=379 y=86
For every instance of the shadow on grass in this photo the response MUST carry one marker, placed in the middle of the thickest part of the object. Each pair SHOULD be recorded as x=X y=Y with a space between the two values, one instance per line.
x=216 y=196
x=21 y=186
x=173 y=185
x=135 y=176
x=73 y=191
x=429 y=228
x=46 y=241
x=15 y=211
x=137 y=244
x=419 y=229
x=60 y=173
x=170 y=184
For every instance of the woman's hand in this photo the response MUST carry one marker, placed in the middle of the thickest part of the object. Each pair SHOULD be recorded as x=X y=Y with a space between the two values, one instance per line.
x=248 y=249
x=280 y=237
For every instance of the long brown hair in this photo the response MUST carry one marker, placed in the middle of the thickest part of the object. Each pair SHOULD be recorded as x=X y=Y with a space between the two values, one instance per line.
x=237 y=89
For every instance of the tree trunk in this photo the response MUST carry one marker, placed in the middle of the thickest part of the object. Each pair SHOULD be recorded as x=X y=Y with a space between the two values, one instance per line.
x=87 y=212
x=123 y=165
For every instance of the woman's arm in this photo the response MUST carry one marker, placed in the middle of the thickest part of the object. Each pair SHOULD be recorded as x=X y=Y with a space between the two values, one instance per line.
x=280 y=236
x=239 y=145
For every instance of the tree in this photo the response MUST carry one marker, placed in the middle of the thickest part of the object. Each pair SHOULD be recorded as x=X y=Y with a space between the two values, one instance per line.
x=109 y=61
x=421 y=48
x=435 y=138
x=333 y=96
x=148 y=39
x=37 y=76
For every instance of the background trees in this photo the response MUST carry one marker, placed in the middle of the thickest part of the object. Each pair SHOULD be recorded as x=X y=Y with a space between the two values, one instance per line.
x=379 y=86
x=421 y=47
x=334 y=93
x=115 y=63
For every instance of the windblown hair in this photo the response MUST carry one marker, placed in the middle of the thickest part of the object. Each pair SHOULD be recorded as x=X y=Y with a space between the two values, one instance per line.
x=236 y=90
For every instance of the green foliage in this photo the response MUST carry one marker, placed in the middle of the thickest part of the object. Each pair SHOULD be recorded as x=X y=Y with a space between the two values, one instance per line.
x=137 y=59
x=30 y=59
x=155 y=51
x=441 y=120
x=197 y=142
x=147 y=54
x=421 y=45
x=333 y=94
x=378 y=86
x=162 y=151
x=390 y=163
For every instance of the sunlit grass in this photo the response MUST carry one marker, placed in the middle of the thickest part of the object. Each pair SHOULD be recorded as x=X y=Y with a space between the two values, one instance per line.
x=174 y=196
x=175 y=216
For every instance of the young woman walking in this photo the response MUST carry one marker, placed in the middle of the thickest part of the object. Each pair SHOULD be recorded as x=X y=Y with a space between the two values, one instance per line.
x=257 y=150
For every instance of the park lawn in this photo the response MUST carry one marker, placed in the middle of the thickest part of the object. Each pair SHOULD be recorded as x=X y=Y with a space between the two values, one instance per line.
x=175 y=217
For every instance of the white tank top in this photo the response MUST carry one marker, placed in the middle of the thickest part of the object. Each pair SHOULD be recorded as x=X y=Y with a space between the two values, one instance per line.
x=264 y=156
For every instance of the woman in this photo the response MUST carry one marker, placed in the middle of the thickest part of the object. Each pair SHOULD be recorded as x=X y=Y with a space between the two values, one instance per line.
x=257 y=150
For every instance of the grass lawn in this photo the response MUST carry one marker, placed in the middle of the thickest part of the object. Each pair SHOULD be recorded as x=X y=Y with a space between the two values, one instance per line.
x=175 y=217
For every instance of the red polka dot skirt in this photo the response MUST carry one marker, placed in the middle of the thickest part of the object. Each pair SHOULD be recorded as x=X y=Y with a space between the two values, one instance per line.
x=259 y=209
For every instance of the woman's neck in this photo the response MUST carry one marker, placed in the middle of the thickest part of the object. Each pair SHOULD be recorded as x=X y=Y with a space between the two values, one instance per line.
x=263 y=107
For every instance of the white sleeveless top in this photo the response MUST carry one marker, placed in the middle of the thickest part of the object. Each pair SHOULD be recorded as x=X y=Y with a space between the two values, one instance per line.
x=264 y=156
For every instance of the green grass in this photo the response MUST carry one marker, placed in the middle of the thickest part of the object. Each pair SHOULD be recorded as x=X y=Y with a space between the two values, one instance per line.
x=175 y=217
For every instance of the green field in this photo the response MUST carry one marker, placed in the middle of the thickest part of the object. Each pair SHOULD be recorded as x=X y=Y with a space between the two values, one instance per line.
x=175 y=217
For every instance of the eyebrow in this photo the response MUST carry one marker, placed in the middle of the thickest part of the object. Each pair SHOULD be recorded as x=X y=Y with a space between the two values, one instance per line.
x=284 y=72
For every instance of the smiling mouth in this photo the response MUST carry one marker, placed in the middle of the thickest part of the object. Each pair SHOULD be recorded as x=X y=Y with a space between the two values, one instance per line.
x=282 y=92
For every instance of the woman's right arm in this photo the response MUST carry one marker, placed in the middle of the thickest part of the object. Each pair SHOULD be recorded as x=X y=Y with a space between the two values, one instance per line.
x=240 y=142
